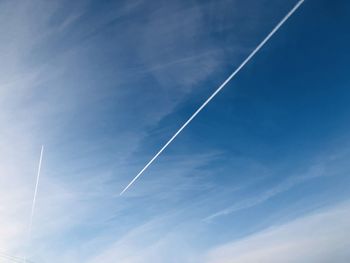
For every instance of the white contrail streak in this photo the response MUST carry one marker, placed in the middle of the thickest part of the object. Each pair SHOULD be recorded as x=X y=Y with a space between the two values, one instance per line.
x=34 y=198
x=266 y=39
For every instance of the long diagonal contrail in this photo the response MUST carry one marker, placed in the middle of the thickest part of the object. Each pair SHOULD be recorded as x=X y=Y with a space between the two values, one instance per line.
x=266 y=39
x=34 y=198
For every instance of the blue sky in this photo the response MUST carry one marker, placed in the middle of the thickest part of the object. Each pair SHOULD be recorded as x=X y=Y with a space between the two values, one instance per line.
x=261 y=173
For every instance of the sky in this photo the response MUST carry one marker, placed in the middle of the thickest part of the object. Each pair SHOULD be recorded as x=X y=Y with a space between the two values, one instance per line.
x=260 y=175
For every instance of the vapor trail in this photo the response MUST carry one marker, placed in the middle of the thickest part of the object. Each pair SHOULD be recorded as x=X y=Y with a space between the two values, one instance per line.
x=266 y=39
x=34 y=198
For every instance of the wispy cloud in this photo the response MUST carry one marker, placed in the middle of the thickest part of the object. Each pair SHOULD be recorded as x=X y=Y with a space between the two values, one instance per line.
x=319 y=237
x=314 y=172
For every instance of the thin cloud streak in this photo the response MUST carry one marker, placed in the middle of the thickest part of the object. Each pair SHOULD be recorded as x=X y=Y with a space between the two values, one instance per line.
x=11 y=258
x=256 y=50
x=321 y=236
x=34 y=198
x=267 y=195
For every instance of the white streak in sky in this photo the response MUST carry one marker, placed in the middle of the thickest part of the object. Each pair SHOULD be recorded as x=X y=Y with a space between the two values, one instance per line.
x=266 y=39
x=34 y=198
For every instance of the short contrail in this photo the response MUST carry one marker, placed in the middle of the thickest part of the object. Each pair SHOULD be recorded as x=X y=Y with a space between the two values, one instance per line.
x=266 y=39
x=34 y=199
